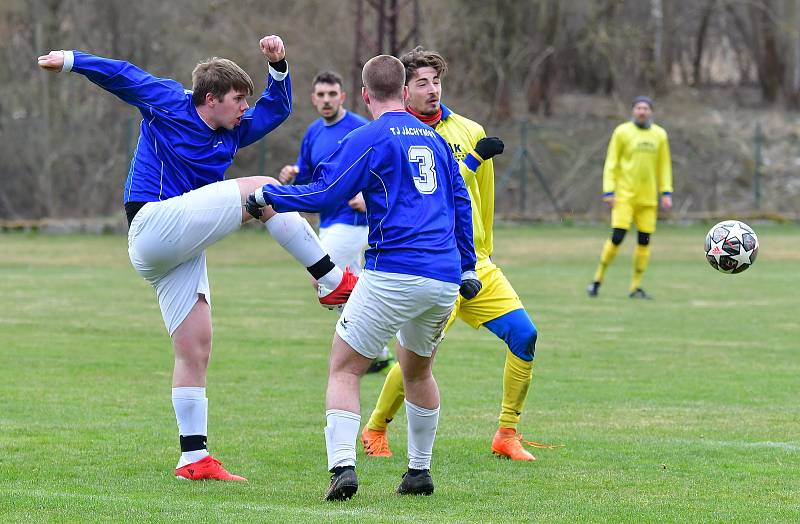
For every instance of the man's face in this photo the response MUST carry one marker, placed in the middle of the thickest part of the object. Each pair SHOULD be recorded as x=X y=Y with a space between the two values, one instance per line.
x=425 y=91
x=328 y=100
x=642 y=112
x=227 y=112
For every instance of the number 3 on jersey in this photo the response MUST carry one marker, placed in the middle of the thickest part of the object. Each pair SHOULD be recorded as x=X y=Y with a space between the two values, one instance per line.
x=423 y=157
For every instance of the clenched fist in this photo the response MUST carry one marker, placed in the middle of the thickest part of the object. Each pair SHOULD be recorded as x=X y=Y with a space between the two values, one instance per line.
x=52 y=61
x=272 y=48
x=288 y=174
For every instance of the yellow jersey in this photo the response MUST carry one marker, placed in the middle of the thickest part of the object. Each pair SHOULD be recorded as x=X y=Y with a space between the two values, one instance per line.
x=638 y=165
x=462 y=134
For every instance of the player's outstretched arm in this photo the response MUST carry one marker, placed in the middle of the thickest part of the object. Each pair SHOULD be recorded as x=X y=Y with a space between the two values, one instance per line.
x=123 y=79
x=340 y=178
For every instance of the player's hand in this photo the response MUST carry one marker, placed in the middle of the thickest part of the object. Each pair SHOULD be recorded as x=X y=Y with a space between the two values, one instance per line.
x=470 y=285
x=288 y=174
x=357 y=203
x=666 y=202
x=53 y=61
x=488 y=147
x=272 y=48
x=609 y=200
x=252 y=206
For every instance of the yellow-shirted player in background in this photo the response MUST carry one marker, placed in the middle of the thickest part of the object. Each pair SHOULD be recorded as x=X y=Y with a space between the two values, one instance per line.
x=637 y=169
x=497 y=307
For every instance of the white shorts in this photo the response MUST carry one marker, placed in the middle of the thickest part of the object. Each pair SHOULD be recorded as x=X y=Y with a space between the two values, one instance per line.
x=167 y=241
x=345 y=244
x=382 y=304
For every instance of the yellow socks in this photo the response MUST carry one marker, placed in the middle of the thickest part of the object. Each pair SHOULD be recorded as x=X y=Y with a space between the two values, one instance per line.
x=609 y=252
x=389 y=401
x=641 y=256
x=516 y=380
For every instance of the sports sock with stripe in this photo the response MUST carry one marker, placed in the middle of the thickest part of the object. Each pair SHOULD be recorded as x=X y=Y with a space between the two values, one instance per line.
x=191 y=412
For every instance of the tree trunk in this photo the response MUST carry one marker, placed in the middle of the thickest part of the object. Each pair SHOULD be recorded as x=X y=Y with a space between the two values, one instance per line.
x=700 y=41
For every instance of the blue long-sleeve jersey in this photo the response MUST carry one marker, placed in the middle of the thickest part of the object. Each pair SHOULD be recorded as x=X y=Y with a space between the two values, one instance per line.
x=319 y=142
x=177 y=151
x=418 y=209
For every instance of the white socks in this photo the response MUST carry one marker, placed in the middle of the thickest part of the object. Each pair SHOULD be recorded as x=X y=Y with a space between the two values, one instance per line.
x=340 y=437
x=191 y=411
x=422 y=425
x=295 y=235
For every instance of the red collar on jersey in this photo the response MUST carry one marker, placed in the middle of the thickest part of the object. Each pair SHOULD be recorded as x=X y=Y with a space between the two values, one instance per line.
x=431 y=120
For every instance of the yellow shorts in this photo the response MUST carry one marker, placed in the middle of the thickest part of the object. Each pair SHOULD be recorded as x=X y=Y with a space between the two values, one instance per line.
x=624 y=213
x=495 y=299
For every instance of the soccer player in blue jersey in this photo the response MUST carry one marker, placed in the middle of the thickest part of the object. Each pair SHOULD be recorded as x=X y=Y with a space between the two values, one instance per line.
x=178 y=204
x=421 y=254
x=342 y=230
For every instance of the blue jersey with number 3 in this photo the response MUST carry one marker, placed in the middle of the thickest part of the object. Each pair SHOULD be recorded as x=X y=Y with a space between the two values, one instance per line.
x=418 y=209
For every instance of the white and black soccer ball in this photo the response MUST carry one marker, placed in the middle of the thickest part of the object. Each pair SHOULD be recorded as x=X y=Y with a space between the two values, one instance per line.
x=731 y=246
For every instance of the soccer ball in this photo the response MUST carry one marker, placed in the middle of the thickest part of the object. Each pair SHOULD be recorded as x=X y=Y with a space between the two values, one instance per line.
x=731 y=246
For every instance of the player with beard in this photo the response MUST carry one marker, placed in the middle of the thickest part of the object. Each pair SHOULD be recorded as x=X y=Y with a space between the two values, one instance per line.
x=497 y=307
x=637 y=170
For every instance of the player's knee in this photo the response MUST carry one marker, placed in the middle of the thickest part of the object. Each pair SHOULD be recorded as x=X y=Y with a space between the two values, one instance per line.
x=524 y=343
x=617 y=235
x=269 y=180
x=644 y=239
x=249 y=184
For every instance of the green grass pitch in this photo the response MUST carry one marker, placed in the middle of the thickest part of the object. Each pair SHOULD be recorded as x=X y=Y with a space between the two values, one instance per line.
x=683 y=408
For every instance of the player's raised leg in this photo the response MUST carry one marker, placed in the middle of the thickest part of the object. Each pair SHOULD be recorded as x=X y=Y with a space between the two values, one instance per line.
x=296 y=236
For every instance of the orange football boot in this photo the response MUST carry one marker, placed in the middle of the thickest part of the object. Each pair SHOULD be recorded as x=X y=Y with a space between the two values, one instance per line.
x=507 y=443
x=208 y=468
x=376 y=443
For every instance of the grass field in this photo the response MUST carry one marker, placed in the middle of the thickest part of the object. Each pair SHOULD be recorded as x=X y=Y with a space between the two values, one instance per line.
x=683 y=408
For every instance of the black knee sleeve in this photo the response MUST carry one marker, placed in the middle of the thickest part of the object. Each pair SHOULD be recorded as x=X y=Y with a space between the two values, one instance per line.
x=617 y=235
x=644 y=238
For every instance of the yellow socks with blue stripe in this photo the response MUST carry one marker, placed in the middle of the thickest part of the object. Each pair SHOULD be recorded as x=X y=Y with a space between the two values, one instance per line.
x=609 y=253
x=517 y=376
x=641 y=256
x=389 y=401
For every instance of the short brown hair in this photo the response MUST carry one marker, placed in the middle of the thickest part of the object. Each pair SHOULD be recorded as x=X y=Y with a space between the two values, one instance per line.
x=384 y=78
x=327 y=77
x=218 y=76
x=418 y=58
